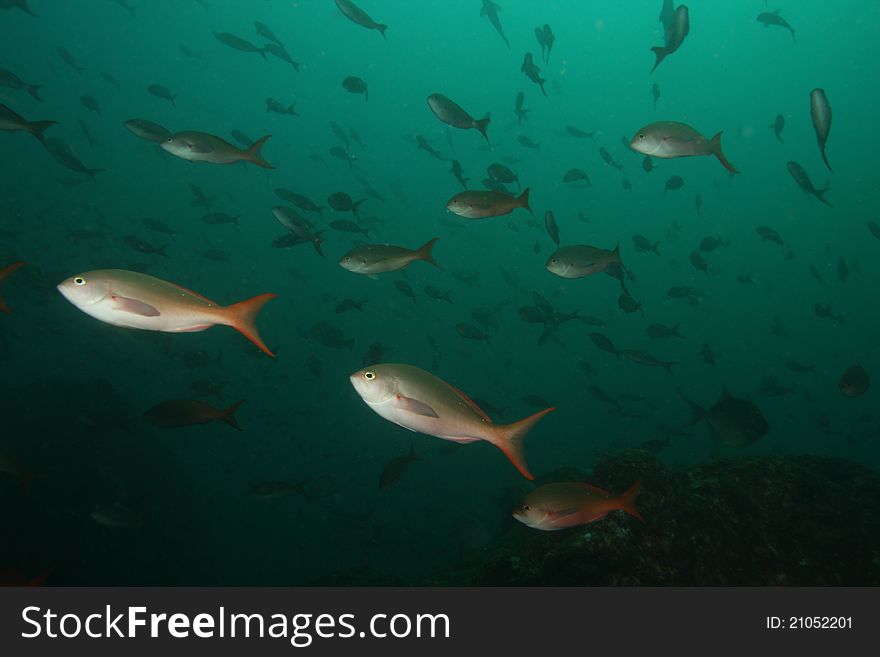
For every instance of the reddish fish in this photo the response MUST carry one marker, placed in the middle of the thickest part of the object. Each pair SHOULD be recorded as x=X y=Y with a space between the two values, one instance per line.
x=567 y=504
x=133 y=300
x=177 y=413
x=6 y=271
x=485 y=204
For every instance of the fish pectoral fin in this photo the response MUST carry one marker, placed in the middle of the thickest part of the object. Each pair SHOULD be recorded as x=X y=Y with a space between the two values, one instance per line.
x=201 y=148
x=415 y=406
x=563 y=512
x=134 y=306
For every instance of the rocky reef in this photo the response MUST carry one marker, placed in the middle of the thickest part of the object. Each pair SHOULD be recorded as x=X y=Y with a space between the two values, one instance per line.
x=764 y=521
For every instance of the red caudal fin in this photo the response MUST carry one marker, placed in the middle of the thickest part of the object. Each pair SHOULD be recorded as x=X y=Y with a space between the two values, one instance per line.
x=716 y=149
x=6 y=271
x=510 y=438
x=254 y=155
x=627 y=501
x=228 y=415
x=242 y=317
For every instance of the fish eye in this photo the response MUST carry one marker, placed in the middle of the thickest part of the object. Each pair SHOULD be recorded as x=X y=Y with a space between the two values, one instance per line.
x=369 y=375
x=554 y=261
x=642 y=137
x=79 y=280
x=526 y=507
x=347 y=258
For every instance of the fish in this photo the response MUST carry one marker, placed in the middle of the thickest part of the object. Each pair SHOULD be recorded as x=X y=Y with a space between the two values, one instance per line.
x=330 y=336
x=437 y=294
x=502 y=174
x=340 y=133
x=350 y=304
x=532 y=72
x=699 y=262
x=278 y=107
x=576 y=175
x=582 y=260
x=626 y=184
x=854 y=382
x=674 y=34
x=141 y=246
x=200 y=197
x=25 y=7
x=522 y=114
x=12 y=122
x=769 y=235
x=490 y=10
x=803 y=180
x=342 y=154
x=430 y=150
x=133 y=300
x=197 y=146
x=342 y=202
x=348 y=226
x=5 y=272
x=820 y=112
x=673 y=183
x=266 y=32
x=546 y=39
x=825 y=312
x=158 y=226
x=643 y=245
x=777 y=126
x=769 y=18
x=164 y=93
x=528 y=143
x=178 y=413
x=357 y=15
x=577 y=132
x=604 y=343
x=662 y=331
x=667 y=14
x=648 y=164
x=736 y=422
x=452 y=114
x=281 y=53
x=671 y=139
x=298 y=200
x=457 y=171
x=63 y=154
x=471 y=332
x=12 y=81
x=372 y=259
x=711 y=243
x=485 y=204
x=874 y=228
x=404 y=288
x=207 y=388
x=148 y=130
x=237 y=43
x=90 y=104
x=300 y=228
x=216 y=218
x=609 y=159
x=707 y=354
x=551 y=227
x=88 y=133
x=644 y=358
x=655 y=94
x=395 y=468
x=419 y=401
x=356 y=85
x=68 y=59
x=800 y=368
x=628 y=304
x=552 y=507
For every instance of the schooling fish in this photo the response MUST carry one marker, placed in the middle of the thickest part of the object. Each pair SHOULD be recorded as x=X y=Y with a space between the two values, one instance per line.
x=481 y=205
x=356 y=85
x=582 y=260
x=737 y=422
x=204 y=147
x=4 y=273
x=394 y=469
x=674 y=35
x=820 y=111
x=854 y=382
x=777 y=126
x=419 y=401
x=552 y=228
x=238 y=43
x=769 y=18
x=522 y=114
x=532 y=72
x=357 y=15
x=11 y=80
x=452 y=114
x=568 y=504
x=671 y=139
x=490 y=10
x=12 y=122
x=164 y=93
x=133 y=300
x=371 y=259
x=803 y=180
x=177 y=413
x=147 y=130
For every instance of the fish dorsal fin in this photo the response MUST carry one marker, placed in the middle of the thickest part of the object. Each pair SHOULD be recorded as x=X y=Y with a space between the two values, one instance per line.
x=471 y=403
x=415 y=406
x=594 y=489
x=775 y=12
x=198 y=296
x=134 y=306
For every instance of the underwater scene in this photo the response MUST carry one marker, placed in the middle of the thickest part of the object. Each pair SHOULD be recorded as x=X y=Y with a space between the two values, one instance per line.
x=448 y=292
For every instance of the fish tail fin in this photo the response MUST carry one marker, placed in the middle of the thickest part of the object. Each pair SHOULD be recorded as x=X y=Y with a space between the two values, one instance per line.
x=161 y=250
x=382 y=27
x=667 y=365
x=627 y=501
x=228 y=415
x=253 y=154
x=37 y=128
x=676 y=332
x=660 y=54
x=716 y=150
x=34 y=90
x=820 y=194
x=697 y=411
x=317 y=243
x=825 y=160
x=523 y=200
x=356 y=206
x=482 y=125
x=6 y=271
x=242 y=317
x=509 y=438
x=425 y=252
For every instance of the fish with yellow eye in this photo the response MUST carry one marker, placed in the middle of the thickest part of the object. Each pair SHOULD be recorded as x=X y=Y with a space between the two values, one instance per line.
x=419 y=401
